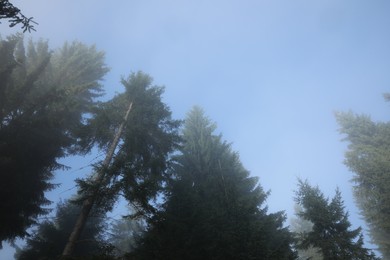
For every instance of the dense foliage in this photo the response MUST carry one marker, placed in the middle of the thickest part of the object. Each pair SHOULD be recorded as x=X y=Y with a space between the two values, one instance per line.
x=368 y=157
x=44 y=97
x=214 y=209
x=331 y=232
x=48 y=240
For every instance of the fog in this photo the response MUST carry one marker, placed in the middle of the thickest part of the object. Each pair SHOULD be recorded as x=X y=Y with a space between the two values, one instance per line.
x=271 y=74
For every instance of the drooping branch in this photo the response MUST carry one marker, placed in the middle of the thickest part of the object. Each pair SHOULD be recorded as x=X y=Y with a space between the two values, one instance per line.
x=15 y=16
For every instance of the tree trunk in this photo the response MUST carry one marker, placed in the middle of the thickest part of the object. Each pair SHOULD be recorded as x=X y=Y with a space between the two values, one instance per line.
x=89 y=201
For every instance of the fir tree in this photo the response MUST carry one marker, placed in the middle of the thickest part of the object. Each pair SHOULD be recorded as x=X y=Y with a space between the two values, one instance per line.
x=214 y=209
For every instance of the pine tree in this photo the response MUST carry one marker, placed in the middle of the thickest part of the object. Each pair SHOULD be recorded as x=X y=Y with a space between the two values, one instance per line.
x=368 y=158
x=44 y=98
x=214 y=209
x=331 y=231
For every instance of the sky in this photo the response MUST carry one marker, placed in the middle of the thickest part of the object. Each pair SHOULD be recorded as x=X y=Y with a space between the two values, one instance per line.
x=270 y=73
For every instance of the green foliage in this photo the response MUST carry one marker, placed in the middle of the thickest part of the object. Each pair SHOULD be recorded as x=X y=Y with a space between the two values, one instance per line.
x=214 y=209
x=331 y=231
x=44 y=98
x=15 y=16
x=368 y=157
x=48 y=240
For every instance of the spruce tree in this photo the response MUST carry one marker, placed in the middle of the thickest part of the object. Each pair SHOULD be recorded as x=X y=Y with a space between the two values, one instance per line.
x=214 y=209
x=331 y=232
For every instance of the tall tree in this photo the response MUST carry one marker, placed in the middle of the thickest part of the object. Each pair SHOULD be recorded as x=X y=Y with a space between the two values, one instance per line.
x=44 y=99
x=368 y=158
x=331 y=231
x=48 y=240
x=214 y=209
x=138 y=169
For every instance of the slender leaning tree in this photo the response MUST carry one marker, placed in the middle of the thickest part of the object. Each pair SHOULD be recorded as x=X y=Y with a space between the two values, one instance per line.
x=138 y=147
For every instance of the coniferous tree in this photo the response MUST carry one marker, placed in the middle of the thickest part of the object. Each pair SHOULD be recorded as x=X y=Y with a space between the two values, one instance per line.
x=214 y=209
x=368 y=158
x=150 y=136
x=138 y=169
x=48 y=240
x=44 y=97
x=331 y=231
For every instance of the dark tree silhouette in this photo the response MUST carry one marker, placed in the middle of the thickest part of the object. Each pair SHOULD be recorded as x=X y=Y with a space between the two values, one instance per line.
x=331 y=232
x=44 y=98
x=214 y=209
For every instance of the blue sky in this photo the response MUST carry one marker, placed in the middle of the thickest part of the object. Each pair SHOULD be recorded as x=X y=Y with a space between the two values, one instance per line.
x=269 y=73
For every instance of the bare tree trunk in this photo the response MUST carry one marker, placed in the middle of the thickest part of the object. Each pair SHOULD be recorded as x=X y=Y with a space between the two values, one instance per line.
x=90 y=200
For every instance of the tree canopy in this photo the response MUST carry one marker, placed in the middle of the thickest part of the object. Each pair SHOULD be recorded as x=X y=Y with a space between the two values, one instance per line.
x=368 y=158
x=214 y=209
x=44 y=99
